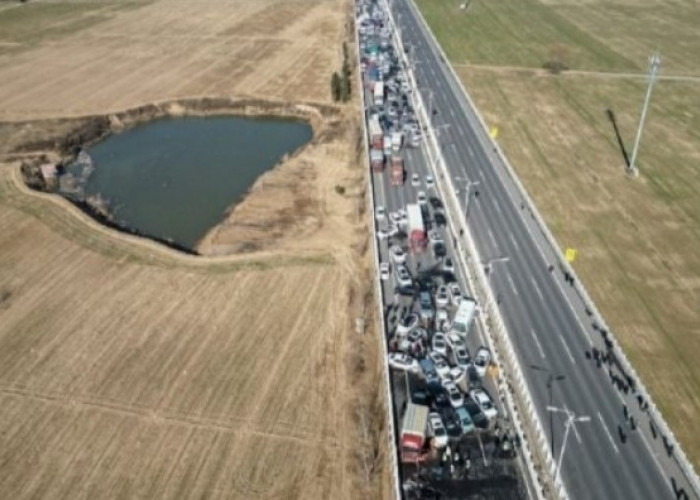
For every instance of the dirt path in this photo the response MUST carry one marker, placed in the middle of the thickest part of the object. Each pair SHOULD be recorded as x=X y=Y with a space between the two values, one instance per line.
x=572 y=72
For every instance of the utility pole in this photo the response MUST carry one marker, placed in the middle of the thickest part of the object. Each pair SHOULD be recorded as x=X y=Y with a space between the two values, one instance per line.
x=571 y=420
x=488 y=267
x=654 y=65
x=467 y=194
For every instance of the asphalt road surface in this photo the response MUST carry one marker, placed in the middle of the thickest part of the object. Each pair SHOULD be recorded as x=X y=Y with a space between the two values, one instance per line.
x=606 y=457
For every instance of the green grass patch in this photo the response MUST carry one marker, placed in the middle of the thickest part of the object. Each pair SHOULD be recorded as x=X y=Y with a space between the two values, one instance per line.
x=515 y=33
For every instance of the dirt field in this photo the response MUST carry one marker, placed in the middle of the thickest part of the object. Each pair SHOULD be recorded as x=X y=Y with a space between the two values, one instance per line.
x=130 y=370
x=637 y=238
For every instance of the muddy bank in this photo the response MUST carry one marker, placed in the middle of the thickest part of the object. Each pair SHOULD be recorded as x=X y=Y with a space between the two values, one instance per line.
x=280 y=202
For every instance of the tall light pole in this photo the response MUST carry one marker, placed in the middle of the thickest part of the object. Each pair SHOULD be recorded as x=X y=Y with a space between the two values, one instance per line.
x=467 y=194
x=571 y=420
x=488 y=267
x=654 y=65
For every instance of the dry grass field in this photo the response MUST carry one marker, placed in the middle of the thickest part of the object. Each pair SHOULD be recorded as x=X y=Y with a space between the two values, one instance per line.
x=76 y=57
x=128 y=370
x=637 y=238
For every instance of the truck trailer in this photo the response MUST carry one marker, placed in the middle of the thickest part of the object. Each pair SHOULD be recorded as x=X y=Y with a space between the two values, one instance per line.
x=376 y=160
x=379 y=93
x=413 y=429
x=376 y=135
x=416 y=228
x=397 y=171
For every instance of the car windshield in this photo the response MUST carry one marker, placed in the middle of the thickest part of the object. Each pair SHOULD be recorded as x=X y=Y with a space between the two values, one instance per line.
x=480 y=361
x=439 y=431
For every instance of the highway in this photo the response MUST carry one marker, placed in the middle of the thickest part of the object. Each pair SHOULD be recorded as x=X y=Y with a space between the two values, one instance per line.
x=489 y=474
x=606 y=457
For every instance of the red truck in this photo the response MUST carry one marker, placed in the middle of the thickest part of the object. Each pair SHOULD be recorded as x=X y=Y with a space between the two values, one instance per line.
x=416 y=228
x=397 y=172
x=413 y=428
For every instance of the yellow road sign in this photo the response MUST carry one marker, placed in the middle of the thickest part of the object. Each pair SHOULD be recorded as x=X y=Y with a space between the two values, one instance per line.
x=570 y=254
x=493 y=132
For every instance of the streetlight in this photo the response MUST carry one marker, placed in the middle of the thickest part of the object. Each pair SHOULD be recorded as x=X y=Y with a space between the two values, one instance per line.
x=467 y=194
x=488 y=267
x=571 y=419
x=430 y=101
x=654 y=65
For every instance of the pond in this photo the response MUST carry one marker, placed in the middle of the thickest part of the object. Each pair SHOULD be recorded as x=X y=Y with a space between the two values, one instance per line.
x=173 y=179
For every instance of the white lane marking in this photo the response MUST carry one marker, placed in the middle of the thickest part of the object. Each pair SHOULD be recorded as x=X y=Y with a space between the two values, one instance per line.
x=556 y=281
x=515 y=242
x=481 y=174
x=605 y=428
x=493 y=240
x=512 y=284
x=578 y=436
x=566 y=347
x=537 y=288
x=497 y=205
x=452 y=112
x=537 y=342
x=471 y=151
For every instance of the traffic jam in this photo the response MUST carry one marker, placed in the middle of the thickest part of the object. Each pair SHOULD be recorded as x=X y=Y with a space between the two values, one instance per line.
x=453 y=438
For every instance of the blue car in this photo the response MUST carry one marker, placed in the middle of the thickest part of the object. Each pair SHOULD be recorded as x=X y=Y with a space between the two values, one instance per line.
x=465 y=420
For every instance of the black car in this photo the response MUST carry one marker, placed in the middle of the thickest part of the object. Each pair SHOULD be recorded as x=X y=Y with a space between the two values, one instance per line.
x=454 y=430
x=436 y=203
x=440 y=220
x=475 y=412
x=439 y=250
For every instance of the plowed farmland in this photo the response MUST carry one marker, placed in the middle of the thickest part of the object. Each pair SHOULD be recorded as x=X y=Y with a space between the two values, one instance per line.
x=80 y=57
x=129 y=370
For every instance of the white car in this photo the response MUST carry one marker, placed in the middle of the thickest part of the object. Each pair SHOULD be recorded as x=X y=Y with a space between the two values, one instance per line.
x=415 y=180
x=392 y=230
x=397 y=254
x=407 y=324
x=455 y=341
x=439 y=344
x=442 y=320
x=434 y=236
x=442 y=296
x=482 y=360
x=441 y=366
x=460 y=355
x=454 y=394
x=384 y=270
x=455 y=294
x=482 y=398
x=380 y=213
x=430 y=182
x=395 y=217
x=422 y=199
x=440 y=438
x=401 y=361
x=448 y=266
x=382 y=233
x=403 y=276
x=403 y=217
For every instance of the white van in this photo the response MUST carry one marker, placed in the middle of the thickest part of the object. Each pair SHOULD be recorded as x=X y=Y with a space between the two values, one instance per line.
x=463 y=318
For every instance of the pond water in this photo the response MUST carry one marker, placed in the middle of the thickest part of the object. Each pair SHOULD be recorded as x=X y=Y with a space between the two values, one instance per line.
x=174 y=178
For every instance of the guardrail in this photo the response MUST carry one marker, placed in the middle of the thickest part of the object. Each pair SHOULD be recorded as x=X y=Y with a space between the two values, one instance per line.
x=681 y=459
x=535 y=430
x=378 y=291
